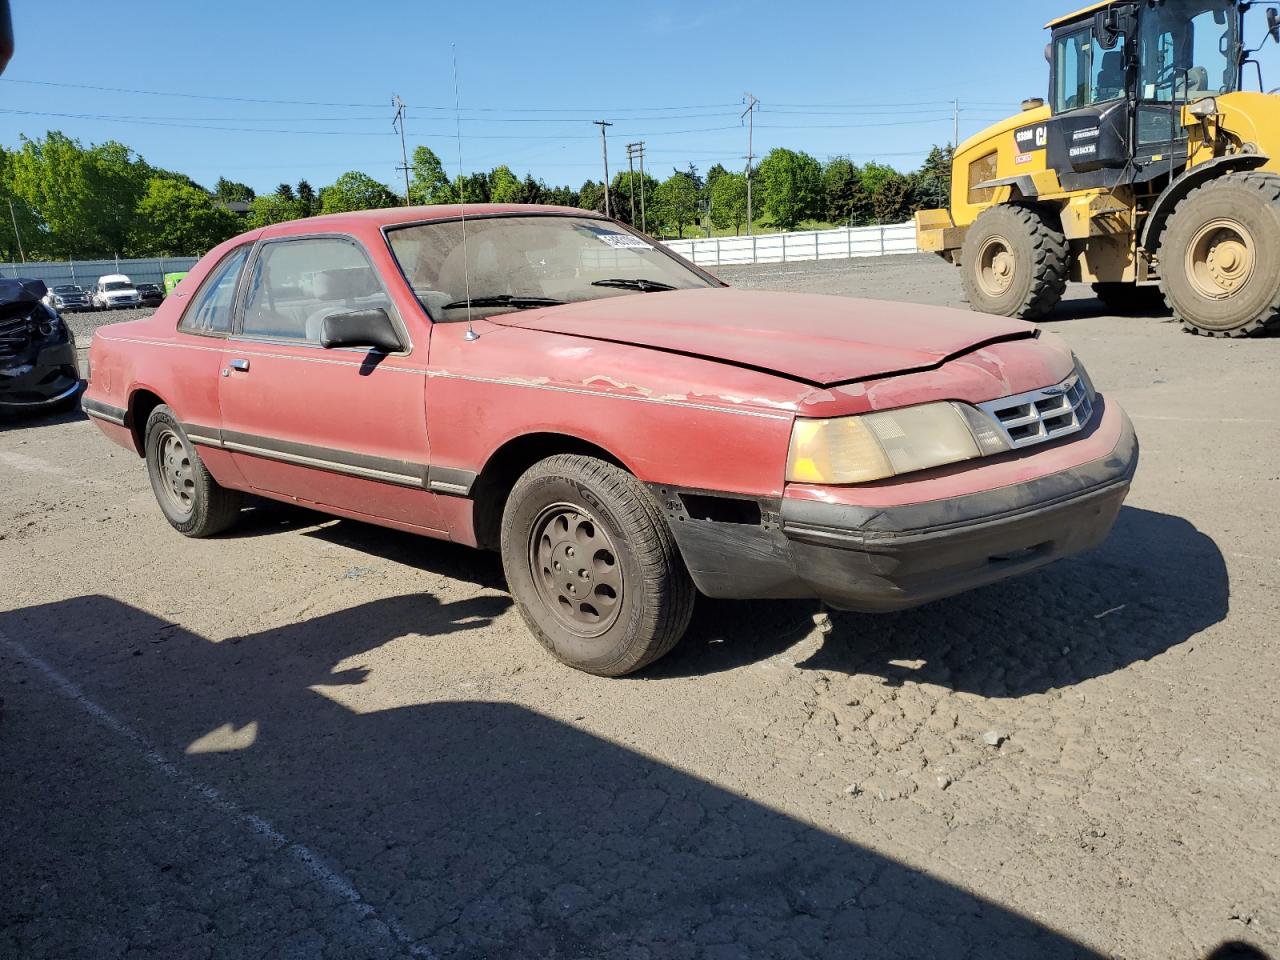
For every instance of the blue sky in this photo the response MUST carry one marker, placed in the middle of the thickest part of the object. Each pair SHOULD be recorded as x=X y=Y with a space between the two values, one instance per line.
x=832 y=78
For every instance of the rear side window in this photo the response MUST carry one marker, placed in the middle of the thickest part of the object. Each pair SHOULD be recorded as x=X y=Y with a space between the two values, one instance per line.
x=209 y=312
x=294 y=284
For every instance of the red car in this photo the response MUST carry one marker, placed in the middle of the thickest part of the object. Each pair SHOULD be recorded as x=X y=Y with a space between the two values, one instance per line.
x=623 y=427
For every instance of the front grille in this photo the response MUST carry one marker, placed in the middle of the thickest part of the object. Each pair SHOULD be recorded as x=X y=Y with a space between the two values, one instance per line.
x=1045 y=414
x=15 y=335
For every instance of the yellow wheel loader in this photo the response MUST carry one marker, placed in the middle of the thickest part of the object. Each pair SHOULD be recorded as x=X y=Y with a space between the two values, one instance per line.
x=1150 y=170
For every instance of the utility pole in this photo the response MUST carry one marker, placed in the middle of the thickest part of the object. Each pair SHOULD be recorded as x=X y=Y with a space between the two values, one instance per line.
x=631 y=179
x=644 y=226
x=18 y=236
x=398 y=124
x=604 y=152
x=955 y=126
x=750 y=113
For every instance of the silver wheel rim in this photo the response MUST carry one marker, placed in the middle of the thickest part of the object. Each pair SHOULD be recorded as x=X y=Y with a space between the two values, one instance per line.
x=575 y=569
x=177 y=474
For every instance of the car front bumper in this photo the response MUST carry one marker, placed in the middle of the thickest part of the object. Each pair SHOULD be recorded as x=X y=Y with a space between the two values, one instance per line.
x=880 y=559
x=46 y=377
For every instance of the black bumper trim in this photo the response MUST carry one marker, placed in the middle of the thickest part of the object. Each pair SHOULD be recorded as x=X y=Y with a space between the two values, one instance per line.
x=884 y=559
x=103 y=411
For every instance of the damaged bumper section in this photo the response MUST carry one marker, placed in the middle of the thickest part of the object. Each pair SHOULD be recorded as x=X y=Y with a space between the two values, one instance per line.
x=38 y=364
x=885 y=558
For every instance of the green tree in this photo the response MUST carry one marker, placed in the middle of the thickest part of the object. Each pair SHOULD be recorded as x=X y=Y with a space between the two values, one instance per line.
x=355 y=191
x=931 y=184
x=86 y=198
x=675 y=203
x=229 y=191
x=846 y=199
x=180 y=220
x=269 y=208
x=591 y=196
x=621 y=194
x=504 y=187
x=728 y=200
x=285 y=192
x=31 y=239
x=891 y=201
x=532 y=191
x=308 y=202
x=429 y=183
x=790 y=187
x=562 y=197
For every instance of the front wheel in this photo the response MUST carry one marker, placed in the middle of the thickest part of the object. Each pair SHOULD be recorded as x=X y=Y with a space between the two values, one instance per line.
x=1220 y=256
x=592 y=566
x=191 y=500
x=1015 y=262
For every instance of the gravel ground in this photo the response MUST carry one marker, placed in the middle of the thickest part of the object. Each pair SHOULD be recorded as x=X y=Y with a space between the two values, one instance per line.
x=315 y=738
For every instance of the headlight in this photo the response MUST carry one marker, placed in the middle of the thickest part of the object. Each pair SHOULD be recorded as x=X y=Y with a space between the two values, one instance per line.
x=878 y=445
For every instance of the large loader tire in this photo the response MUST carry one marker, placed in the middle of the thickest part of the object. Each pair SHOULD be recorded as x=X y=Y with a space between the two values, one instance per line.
x=1220 y=256
x=1015 y=262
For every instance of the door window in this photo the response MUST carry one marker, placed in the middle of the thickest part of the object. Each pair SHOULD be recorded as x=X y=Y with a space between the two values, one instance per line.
x=294 y=284
x=1085 y=72
x=209 y=312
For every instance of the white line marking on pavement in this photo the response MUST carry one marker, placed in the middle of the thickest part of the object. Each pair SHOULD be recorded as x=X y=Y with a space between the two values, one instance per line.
x=330 y=878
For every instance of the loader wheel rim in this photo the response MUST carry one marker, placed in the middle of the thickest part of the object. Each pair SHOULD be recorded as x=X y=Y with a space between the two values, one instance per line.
x=576 y=569
x=996 y=266
x=1221 y=258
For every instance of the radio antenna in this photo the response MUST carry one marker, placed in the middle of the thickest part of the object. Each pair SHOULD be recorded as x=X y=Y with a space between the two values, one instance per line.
x=462 y=194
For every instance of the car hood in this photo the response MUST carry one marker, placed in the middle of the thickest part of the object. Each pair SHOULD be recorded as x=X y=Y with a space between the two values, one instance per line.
x=820 y=340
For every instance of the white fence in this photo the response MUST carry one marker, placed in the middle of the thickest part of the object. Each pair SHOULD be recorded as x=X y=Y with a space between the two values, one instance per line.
x=840 y=244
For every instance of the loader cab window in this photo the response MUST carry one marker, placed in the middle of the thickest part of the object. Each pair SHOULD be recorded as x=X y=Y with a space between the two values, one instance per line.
x=1187 y=50
x=1084 y=72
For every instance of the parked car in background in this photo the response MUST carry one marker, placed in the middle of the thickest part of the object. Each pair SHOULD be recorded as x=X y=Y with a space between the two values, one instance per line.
x=113 y=291
x=624 y=428
x=68 y=298
x=150 y=294
x=171 y=280
x=38 y=366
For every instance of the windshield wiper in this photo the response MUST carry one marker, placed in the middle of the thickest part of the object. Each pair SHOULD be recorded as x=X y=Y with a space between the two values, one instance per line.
x=505 y=300
x=644 y=286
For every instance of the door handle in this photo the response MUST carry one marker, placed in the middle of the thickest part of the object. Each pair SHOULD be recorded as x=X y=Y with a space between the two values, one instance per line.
x=241 y=365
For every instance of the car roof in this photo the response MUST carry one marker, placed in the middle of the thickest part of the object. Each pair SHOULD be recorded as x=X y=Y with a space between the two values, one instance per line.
x=395 y=216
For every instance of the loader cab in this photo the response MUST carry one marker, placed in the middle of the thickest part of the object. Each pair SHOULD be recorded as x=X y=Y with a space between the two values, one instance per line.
x=1120 y=74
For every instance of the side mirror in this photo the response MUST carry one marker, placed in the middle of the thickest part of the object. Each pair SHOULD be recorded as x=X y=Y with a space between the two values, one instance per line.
x=370 y=328
x=1273 y=23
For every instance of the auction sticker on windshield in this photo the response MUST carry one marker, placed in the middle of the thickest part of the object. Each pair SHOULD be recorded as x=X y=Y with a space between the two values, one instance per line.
x=622 y=240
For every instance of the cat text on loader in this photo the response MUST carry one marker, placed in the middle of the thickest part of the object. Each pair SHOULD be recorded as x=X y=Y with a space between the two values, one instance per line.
x=1150 y=170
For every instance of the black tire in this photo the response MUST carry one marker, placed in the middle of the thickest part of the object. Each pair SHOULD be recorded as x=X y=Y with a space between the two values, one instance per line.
x=1235 y=293
x=1129 y=297
x=605 y=511
x=1015 y=262
x=191 y=500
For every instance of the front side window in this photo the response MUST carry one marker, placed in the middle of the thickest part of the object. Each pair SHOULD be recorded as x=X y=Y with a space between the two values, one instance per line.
x=1187 y=50
x=210 y=309
x=1085 y=72
x=519 y=262
x=294 y=284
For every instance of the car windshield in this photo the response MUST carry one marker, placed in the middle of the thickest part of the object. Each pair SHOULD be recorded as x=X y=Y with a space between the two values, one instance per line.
x=521 y=262
x=66 y=289
x=115 y=285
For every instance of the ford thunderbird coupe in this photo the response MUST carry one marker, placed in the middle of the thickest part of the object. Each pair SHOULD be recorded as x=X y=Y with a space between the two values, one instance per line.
x=624 y=428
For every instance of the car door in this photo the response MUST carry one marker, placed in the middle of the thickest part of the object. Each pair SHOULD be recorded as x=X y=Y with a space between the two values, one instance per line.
x=340 y=428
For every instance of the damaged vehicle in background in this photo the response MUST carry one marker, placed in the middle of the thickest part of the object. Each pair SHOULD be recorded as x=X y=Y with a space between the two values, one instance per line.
x=620 y=425
x=150 y=294
x=38 y=367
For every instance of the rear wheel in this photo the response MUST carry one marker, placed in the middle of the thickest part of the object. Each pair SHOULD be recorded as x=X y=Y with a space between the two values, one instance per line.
x=1129 y=297
x=1015 y=262
x=191 y=500
x=1220 y=256
x=592 y=566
